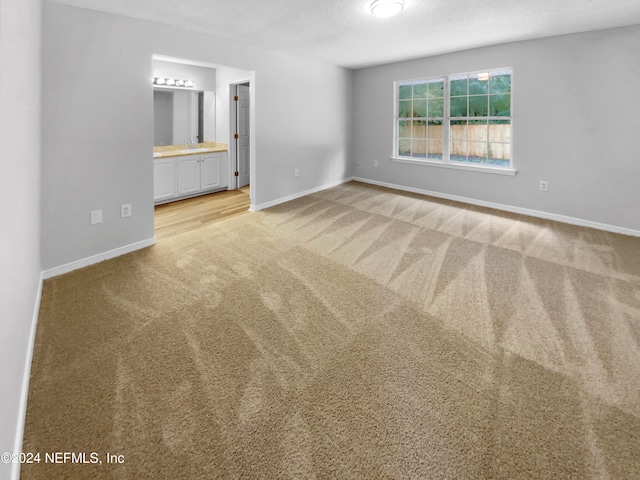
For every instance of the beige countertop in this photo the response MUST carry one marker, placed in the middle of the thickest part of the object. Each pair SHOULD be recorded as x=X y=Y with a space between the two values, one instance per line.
x=183 y=149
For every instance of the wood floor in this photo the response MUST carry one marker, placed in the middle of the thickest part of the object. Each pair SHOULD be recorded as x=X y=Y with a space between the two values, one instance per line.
x=186 y=215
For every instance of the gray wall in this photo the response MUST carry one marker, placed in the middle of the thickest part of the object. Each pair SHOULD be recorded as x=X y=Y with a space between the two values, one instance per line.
x=575 y=124
x=20 y=215
x=224 y=77
x=98 y=129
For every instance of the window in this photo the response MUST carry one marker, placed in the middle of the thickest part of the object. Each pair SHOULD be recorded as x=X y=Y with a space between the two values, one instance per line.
x=461 y=121
x=420 y=118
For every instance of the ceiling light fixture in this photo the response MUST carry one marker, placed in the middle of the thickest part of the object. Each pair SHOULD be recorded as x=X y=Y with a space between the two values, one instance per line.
x=386 y=8
x=171 y=82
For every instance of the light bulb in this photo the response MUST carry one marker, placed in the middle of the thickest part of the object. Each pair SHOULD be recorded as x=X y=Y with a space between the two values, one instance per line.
x=386 y=8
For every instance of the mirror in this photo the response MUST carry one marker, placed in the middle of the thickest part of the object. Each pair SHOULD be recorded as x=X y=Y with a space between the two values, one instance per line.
x=183 y=116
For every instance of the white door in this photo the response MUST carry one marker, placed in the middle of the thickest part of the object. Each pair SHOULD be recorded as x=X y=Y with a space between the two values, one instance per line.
x=242 y=129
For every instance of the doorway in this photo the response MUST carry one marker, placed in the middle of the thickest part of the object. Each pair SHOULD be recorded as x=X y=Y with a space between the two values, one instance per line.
x=241 y=144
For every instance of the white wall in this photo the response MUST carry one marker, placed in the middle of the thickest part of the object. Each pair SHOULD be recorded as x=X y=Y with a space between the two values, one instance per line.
x=225 y=77
x=98 y=132
x=20 y=266
x=576 y=123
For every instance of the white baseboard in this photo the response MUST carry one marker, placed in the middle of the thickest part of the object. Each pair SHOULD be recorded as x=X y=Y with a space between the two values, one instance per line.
x=508 y=208
x=262 y=206
x=24 y=394
x=69 y=267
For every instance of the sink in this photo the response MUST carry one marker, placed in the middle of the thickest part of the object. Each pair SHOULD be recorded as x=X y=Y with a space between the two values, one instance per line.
x=194 y=150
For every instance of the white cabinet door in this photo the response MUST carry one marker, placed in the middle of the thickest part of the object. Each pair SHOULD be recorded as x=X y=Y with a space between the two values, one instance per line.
x=188 y=175
x=210 y=171
x=164 y=178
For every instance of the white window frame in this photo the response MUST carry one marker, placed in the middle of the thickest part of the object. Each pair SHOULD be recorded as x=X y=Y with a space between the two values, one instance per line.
x=446 y=162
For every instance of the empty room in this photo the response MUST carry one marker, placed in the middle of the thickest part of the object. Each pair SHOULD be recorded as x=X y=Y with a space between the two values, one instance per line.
x=341 y=239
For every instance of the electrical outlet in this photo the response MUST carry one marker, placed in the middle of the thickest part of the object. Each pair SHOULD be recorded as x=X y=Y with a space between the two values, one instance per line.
x=96 y=217
x=375 y=163
x=125 y=210
x=544 y=185
x=296 y=173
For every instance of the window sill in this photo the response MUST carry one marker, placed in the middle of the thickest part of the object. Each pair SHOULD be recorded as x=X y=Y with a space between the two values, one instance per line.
x=457 y=166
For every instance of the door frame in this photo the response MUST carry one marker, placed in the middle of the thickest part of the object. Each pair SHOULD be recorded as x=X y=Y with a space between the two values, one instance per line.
x=233 y=122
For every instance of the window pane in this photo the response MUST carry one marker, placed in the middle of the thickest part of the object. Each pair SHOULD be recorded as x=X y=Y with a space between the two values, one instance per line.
x=420 y=90
x=477 y=152
x=404 y=110
x=458 y=130
x=436 y=107
x=404 y=148
x=477 y=131
x=478 y=86
x=500 y=82
x=435 y=89
x=499 y=154
x=458 y=138
x=419 y=108
x=404 y=92
x=419 y=129
x=419 y=148
x=458 y=85
x=404 y=128
x=435 y=130
x=500 y=105
x=459 y=107
x=435 y=149
x=478 y=106
x=458 y=152
x=500 y=131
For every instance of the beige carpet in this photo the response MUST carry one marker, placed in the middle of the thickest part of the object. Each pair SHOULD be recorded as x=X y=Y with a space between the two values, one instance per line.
x=355 y=333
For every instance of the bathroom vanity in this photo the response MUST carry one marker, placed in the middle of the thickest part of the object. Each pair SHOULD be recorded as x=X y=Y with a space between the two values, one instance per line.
x=183 y=171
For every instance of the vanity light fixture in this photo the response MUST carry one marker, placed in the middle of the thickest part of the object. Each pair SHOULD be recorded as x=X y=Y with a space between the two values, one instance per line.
x=484 y=76
x=172 y=82
x=386 y=8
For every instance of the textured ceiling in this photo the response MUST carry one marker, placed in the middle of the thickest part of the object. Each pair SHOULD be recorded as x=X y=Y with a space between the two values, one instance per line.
x=342 y=32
